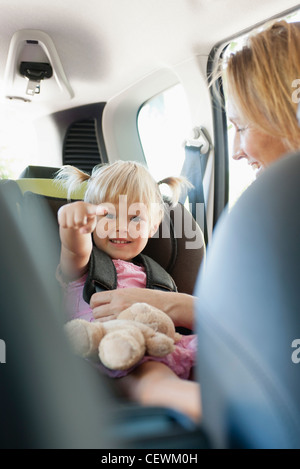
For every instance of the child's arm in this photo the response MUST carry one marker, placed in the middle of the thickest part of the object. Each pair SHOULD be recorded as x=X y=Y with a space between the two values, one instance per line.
x=77 y=221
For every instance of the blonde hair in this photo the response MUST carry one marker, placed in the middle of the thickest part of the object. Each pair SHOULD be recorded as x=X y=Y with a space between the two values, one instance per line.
x=108 y=181
x=260 y=79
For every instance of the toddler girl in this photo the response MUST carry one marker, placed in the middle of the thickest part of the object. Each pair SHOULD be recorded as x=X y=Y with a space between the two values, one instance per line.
x=122 y=209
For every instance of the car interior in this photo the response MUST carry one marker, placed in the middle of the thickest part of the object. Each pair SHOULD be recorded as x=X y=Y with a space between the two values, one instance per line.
x=89 y=83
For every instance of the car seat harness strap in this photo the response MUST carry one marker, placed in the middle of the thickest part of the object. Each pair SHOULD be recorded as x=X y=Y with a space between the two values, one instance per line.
x=102 y=274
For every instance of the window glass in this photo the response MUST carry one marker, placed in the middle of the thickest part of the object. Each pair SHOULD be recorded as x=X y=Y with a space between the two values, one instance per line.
x=241 y=175
x=18 y=145
x=164 y=123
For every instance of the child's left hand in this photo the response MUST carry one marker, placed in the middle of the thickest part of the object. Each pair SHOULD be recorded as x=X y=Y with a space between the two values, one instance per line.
x=90 y=219
x=80 y=215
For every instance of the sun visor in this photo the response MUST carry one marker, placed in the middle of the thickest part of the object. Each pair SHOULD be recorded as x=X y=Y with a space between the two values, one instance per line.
x=34 y=70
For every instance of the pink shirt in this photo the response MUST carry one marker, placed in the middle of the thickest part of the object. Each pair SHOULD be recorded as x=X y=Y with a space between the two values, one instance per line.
x=128 y=275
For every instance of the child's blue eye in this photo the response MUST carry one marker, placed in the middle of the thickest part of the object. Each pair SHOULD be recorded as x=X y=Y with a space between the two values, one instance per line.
x=136 y=219
x=110 y=216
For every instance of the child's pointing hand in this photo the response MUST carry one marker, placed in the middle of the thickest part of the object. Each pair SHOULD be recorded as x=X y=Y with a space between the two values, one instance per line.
x=80 y=216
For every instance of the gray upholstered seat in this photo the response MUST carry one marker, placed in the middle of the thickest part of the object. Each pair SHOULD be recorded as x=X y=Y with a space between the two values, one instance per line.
x=248 y=316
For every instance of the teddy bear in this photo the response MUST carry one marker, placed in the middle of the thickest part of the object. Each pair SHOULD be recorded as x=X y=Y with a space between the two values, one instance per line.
x=121 y=343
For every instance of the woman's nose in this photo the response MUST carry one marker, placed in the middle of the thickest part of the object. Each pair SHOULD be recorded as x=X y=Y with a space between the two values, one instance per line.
x=238 y=153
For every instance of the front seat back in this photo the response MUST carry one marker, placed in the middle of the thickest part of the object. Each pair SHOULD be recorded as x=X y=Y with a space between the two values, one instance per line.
x=248 y=317
x=49 y=399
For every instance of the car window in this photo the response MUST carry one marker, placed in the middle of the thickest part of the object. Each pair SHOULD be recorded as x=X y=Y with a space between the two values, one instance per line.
x=18 y=144
x=241 y=175
x=164 y=123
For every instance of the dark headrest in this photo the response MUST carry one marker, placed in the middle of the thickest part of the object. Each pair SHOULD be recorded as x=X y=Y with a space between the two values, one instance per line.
x=248 y=316
x=43 y=172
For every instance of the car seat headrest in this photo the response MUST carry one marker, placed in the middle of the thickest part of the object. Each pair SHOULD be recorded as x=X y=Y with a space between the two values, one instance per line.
x=45 y=172
x=49 y=187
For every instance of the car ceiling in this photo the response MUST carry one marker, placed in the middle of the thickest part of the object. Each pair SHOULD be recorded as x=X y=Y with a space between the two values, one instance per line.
x=106 y=46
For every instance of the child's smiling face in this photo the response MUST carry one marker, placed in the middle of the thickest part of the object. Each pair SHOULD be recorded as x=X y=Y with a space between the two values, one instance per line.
x=124 y=231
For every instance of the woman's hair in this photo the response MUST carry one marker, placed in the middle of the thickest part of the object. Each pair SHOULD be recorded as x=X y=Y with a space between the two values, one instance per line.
x=108 y=181
x=261 y=79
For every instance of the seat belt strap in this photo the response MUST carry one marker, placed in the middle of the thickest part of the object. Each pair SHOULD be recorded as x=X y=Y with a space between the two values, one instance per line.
x=193 y=169
x=102 y=274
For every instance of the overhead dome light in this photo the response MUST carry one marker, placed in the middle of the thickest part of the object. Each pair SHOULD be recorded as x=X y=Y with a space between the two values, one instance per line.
x=34 y=69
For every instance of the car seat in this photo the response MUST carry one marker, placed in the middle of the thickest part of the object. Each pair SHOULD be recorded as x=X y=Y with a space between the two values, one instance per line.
x=248 y=317
x=12 y=193
x=178 y=246
x=52 y=399
x=49 y=399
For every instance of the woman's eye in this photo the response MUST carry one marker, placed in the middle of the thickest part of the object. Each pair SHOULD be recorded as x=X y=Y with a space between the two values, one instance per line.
x=242 y=129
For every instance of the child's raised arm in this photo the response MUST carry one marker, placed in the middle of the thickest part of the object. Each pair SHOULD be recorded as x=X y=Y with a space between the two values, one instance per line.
x=77 y=221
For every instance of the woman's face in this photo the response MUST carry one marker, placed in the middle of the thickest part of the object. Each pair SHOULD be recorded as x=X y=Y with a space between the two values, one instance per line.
x=257 y=147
